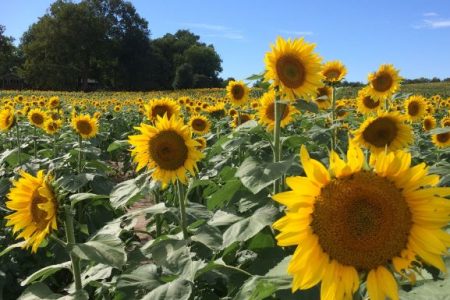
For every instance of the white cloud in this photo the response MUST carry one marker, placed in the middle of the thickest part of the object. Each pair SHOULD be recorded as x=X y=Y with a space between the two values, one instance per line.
x=430 y=14
x=297 y=33
x=219 y=31
x=437 y=23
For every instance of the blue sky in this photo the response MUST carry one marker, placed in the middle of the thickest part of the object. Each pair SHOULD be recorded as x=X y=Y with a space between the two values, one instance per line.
x=413 y=35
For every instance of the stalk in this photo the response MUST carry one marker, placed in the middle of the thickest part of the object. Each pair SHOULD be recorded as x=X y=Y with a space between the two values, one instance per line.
x=333 y=118
x=18 y=143
x=70 y=235
x=80 y=145
x=34 y=142
x=182 y=204
x=278 y=112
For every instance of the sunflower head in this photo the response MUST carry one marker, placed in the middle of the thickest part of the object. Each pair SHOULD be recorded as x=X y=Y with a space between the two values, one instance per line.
x=294 y=67
x=351 y=221
x=323 y=97
x=239 y=119
x=415 y=108
x=441 y=140
x=334 y=71
x=266 y=112
x=199 y=124
x=254 y=104
x=161 y=107
x=238 y=92
x=53 y=102
x=167 y=148
x=202 y=143
x=85 y=125
x=445 y=122
x=37 y=117
x=428 y=123
x=52 y=126
x=387 y=131
x=35 y=206
x=216 y=111
x=365 y=103
x=384 y=82
x=7 y=119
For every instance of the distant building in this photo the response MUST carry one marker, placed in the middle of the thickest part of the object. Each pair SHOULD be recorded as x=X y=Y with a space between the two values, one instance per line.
x=11 y=81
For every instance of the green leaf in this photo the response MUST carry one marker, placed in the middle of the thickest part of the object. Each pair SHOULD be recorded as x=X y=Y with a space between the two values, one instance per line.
x=73 y=183
x=38 y=291
x=179 y=289
x=256 y=76
x=128 y=192
x=75 y=198
x=249 y=227
x=11 y=247
x=104 y=249
x=224 y=194
x=144 y=277
x=120 y=144
x=223 y=218
x=261 y=287
x=209 y=236
x=256 y=175
x=280 y=270
x=439 y=130
x=303 y=105
x=43 y=273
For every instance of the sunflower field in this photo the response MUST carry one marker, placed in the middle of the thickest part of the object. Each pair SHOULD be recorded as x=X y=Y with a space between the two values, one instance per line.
x=290 y=191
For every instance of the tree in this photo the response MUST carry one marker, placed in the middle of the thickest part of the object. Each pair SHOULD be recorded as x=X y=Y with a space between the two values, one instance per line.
x=10 y=59
x=184 y=77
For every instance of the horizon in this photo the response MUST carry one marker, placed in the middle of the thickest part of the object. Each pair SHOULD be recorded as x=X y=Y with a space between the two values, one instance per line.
x=418 y=34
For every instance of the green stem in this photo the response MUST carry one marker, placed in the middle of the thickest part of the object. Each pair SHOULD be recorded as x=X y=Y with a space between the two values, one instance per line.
x=80 y=146
x=70 y=235
x=182 y=204
x=54 y=145
x=18 y=143
x=333 y=118
x=158 y=219
x=278 y=112
x=34 y=142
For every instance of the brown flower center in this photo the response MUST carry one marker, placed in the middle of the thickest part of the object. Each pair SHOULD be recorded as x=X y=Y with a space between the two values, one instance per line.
x=443 y=137
x=370 y=103
x=37 y=118
x=168 y=149
x=238 y=92
x=198 y=124
x=84 y=127
x=381 y=132
x=413 y=108
x=332 y=74
x=39 y=216
x=160 y=110
x=270 y=111
x=382 y=82
x=362 y=220
x=291 y=71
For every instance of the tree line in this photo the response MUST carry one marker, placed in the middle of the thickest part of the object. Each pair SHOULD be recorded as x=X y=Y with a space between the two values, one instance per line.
x=106 y=44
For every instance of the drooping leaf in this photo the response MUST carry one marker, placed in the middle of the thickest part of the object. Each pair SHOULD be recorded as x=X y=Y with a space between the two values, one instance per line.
x=179 y=289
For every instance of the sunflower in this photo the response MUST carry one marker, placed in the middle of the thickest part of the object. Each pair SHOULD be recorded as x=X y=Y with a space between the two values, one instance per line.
x=441 y=140
x=294 y=68
x=159 y=107
x=37 y=117
x=428 y=123
x=52 y=126
x=386 y=131
x=202 y=143
x=365 y=103
x=167 y=147
x=254 y=104
x=243 y=119
x=384 y=82
x=232 y=112
x=415 y=108
x=199 y=124
x=53 y=102
x=342 y=108
x=238 y=92
x=7 y=119
x=35 y=208
x=445 y=122
x=323 y=97
x=117 y=108
x=266 y=111
x=334 y=71
x=85 y=125
x=216 y=111
x=350 y=223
